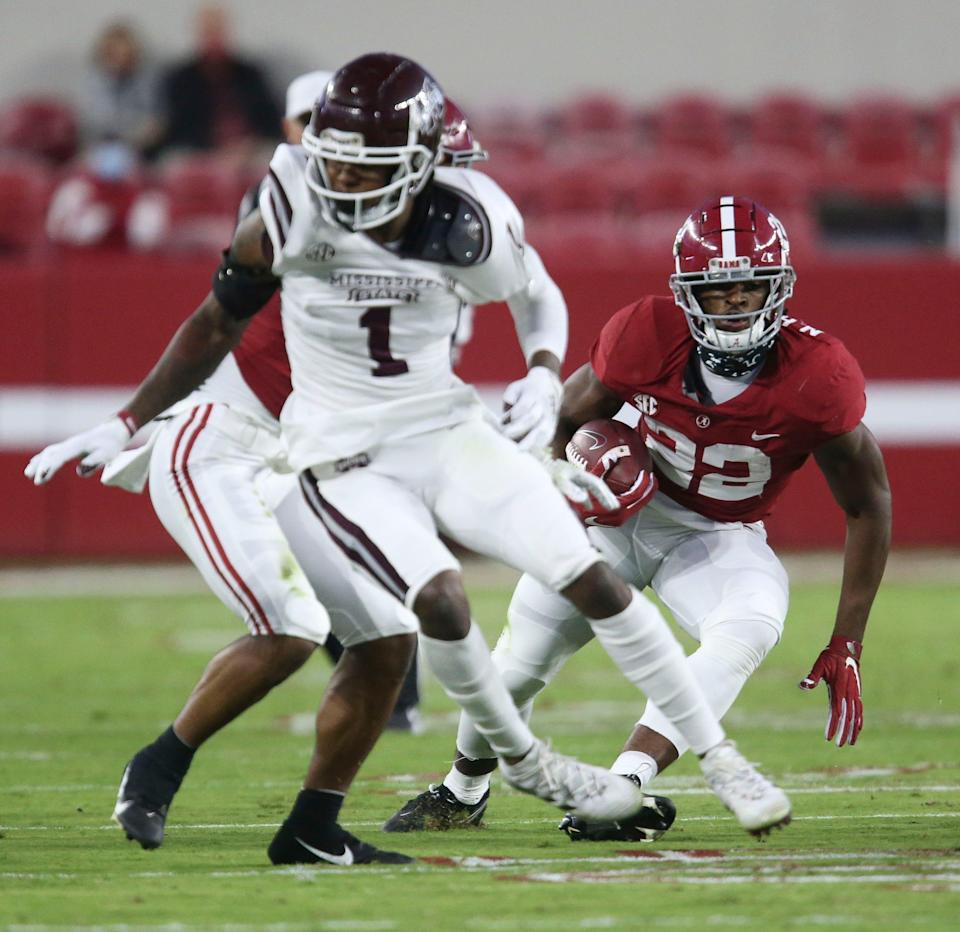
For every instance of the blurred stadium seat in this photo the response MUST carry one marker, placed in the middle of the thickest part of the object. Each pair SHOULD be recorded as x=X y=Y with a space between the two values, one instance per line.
x=202 y=194
x=879 y=151
x=39 y=127
x=696 y=123
x=790 y=122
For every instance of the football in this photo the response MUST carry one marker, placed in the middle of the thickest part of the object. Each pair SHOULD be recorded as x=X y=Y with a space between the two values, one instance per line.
x=611 y=450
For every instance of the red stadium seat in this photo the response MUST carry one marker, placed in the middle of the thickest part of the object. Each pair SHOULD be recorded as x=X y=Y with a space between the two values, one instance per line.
x=694 y=123
x=790 y=122
x=880 y=153
x=653 y=185
x=24 y=192
x=772 y=177
x=524 y=182
x=596 y=113
x=203 y=195
x=579 y=187
x=39 y=127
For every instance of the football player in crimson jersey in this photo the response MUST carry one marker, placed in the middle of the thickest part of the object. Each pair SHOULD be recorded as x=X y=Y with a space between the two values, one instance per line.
x=731 y=395
x=377 y=250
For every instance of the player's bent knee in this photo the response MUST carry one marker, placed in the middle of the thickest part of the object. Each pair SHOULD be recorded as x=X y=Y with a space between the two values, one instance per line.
x=442 y=607
x=741 y=645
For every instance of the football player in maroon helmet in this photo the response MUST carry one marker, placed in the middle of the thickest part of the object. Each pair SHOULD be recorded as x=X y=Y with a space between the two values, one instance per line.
x=458 y=146
x=731 y=395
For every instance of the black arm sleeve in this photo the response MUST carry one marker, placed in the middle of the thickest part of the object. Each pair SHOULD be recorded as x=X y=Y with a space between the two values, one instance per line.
x=241 y=289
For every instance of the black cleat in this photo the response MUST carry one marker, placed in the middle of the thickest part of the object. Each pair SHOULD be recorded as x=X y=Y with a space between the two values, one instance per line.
x=436 y=810
x=142 y=802
x=294 y=846
x=648 y=824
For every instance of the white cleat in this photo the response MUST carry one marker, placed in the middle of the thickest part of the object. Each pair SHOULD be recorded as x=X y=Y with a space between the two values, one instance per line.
x=588 y=792
x=758 y=805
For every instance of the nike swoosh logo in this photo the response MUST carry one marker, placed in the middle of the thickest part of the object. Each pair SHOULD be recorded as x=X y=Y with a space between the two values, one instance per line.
x=756 y=436
x=345 y=859
x=850 y=662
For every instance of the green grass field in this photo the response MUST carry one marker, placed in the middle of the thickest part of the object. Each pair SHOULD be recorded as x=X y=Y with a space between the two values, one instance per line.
x=875 y=842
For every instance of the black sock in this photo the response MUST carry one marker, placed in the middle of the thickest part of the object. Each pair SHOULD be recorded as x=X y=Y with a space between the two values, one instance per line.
x=171 y=753
x=317 y=808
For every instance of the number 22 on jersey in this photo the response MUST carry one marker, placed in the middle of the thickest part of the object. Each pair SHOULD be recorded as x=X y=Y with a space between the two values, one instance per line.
x=728 y=472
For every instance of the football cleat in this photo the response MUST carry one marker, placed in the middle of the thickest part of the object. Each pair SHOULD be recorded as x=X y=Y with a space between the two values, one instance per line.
x=589 y=792
x=655 y=818
x=436 y=810
x=758 y=805
x=142 y=802
x=295 y=845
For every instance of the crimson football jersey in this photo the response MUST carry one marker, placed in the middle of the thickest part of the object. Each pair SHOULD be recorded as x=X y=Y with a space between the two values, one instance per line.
x=729 y=461
x=262 y=358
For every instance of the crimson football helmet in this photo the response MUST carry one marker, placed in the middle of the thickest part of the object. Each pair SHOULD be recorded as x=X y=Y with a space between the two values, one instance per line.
x=458 y=147
x=379 y=109
x=732 y=239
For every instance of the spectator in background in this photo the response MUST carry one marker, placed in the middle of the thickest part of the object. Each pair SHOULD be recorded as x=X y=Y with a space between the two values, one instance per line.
x=119 y=103
x=217 y=100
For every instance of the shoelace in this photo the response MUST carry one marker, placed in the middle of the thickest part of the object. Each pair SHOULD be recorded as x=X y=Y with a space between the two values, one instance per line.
x=743 y=780
x=561 y=773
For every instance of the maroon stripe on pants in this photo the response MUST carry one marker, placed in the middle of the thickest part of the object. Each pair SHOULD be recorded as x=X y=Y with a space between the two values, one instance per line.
x=248 y=600
x=368 y=554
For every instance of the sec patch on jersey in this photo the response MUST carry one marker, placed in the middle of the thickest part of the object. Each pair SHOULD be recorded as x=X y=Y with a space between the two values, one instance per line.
x=617 y=454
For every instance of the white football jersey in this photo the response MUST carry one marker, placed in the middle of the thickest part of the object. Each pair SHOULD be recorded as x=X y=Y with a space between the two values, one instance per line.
x=368 y=327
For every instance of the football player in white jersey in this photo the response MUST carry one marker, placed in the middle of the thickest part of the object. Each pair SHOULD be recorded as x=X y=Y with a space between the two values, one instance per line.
x=376 y=253
x=211 y=464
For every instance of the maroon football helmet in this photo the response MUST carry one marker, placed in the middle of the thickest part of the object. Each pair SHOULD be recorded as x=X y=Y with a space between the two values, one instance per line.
x=732 y=239
x=458 y=147
x=379 y=109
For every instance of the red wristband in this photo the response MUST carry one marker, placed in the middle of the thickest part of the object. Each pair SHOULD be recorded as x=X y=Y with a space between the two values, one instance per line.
x=129 y=421
x=846 y=646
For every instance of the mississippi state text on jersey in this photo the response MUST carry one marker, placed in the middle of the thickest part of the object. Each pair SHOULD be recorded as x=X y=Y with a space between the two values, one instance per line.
x=729 y=461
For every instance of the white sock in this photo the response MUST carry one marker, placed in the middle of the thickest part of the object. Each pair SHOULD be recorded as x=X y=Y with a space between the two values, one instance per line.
x=467 y=674
x=468 y=790
x=637 y=764
x=643 y=647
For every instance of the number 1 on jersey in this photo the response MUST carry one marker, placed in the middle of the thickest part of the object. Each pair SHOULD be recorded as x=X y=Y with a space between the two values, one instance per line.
x=377 y=321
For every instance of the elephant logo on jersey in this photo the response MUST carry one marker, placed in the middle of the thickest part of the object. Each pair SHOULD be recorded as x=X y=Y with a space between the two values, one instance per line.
x=320 y=252
x=703 y=421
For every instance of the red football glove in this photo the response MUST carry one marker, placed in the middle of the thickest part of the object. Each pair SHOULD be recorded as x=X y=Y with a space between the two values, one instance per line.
x=629 y=503
x=839 y=667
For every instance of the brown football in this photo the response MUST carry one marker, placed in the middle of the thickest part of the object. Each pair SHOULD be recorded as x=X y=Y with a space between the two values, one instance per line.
x=612 y=450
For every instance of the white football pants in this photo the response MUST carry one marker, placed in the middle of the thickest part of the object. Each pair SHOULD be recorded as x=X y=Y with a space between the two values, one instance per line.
x=251 y=534
x=722 y=582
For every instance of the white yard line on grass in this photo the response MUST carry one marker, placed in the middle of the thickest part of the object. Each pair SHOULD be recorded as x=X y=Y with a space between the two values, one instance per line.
x=227 y=826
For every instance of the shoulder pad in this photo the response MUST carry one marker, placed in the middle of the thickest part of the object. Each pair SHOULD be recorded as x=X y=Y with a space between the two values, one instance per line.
x=448 y=226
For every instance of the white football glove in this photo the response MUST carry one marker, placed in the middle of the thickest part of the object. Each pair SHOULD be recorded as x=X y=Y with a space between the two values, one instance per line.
x=531 y=408
x=97 y=446
x=579 y=486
